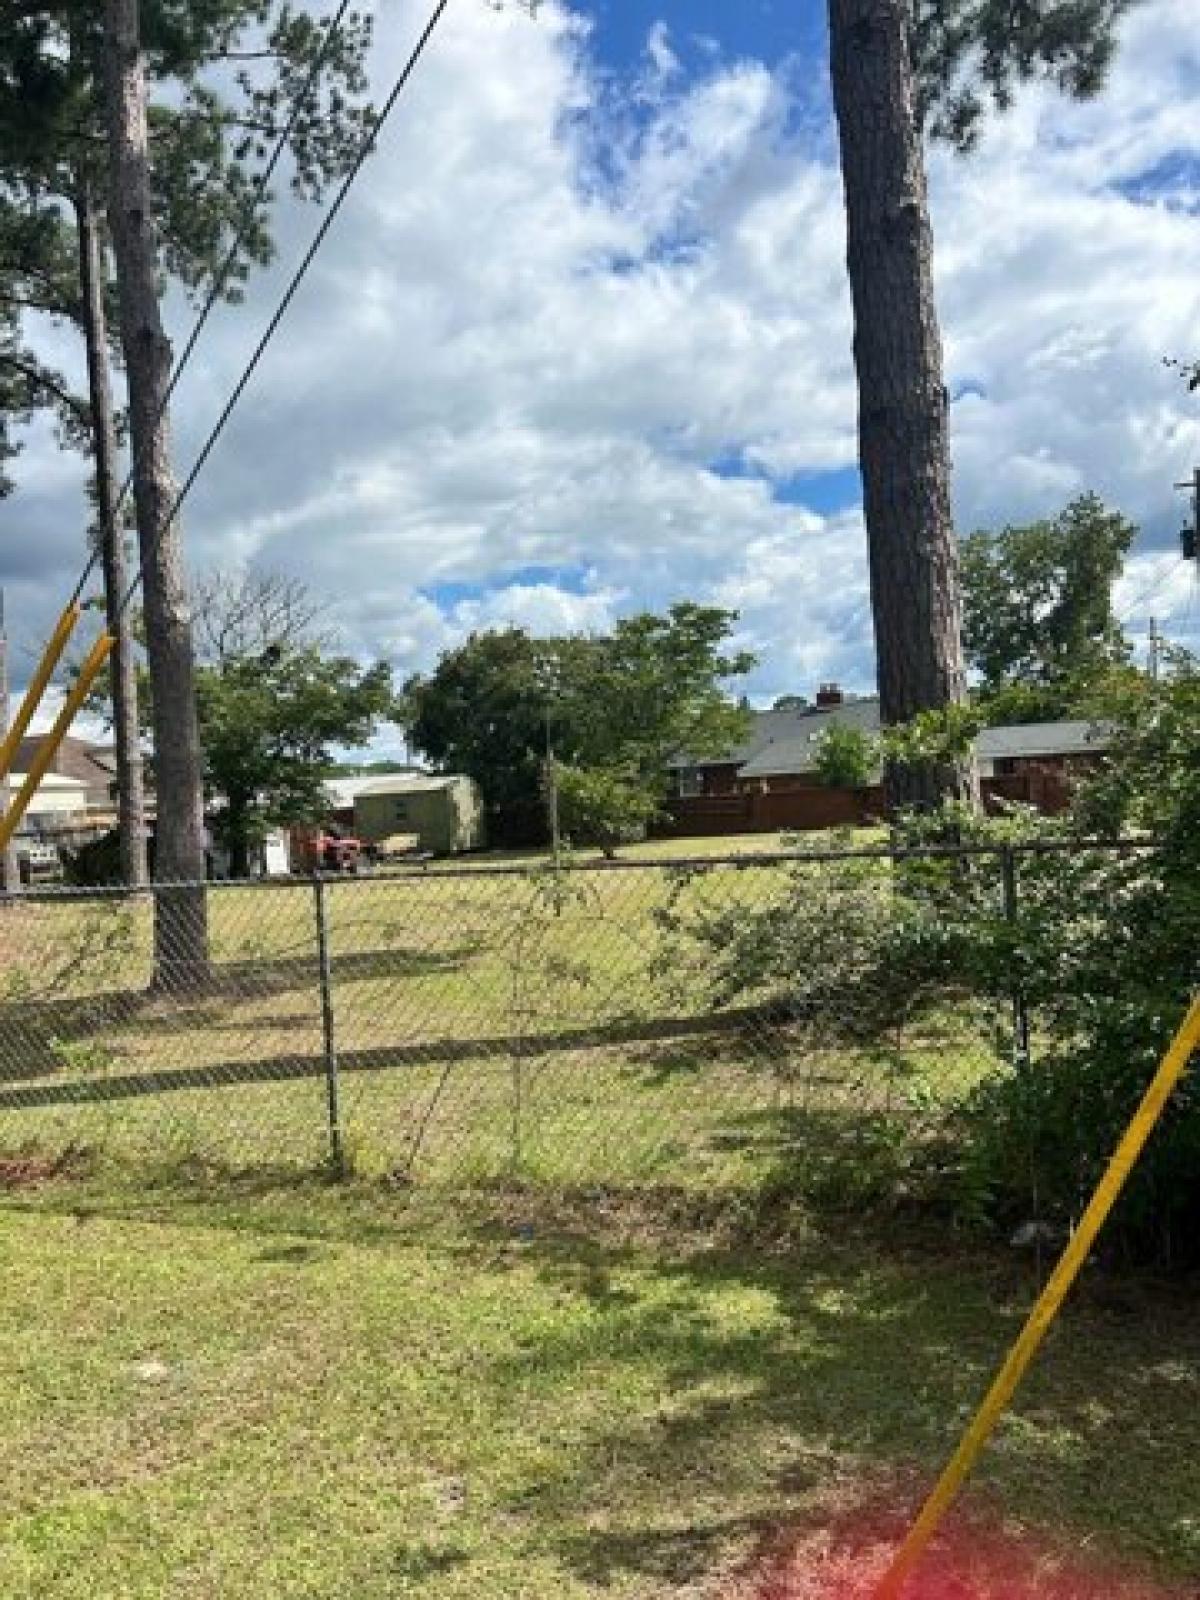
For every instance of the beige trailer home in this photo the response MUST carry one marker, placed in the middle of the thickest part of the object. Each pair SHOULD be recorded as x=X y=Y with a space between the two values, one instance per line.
x=443 y=814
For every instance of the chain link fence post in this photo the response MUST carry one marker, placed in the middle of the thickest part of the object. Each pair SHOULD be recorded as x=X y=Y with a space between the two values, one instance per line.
x=1020 y=1011
x=337 y=1154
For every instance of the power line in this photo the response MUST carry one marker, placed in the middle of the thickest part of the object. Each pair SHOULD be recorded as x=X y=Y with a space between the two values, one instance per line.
x=1165 y=571
x=364 y=150
x=264 y=177
x=104 y=643
x=222 y=275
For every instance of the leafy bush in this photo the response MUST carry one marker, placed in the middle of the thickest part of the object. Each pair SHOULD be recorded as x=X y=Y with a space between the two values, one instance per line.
x=1103 y=946
x=832 y=950
x=1107 y=950
x=606 y=806
x=847 y=758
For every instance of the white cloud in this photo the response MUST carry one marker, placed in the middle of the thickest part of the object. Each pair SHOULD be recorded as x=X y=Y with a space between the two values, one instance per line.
x=663 y=59
x=554 y=302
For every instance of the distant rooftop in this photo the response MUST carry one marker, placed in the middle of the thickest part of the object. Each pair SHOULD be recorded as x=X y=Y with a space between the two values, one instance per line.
x=796 y=749
x=52 y=782
x=1042 y=739
x=774 y=726
x=785 y=742
x=410 y=783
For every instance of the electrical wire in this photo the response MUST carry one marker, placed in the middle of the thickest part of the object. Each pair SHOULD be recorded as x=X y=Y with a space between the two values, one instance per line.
x=221 y=278
x=1162 y=574
x=364 y=150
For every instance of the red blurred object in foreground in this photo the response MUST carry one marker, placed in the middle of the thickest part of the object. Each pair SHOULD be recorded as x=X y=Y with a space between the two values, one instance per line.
x=968 y=1563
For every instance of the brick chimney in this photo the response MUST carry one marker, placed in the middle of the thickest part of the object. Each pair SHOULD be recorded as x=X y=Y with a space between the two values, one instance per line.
x=830 y=694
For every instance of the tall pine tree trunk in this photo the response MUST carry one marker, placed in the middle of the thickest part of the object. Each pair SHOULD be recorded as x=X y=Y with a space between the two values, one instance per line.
x=10 y=875
x=180 y=923
x=131 y=805
x=903 y=423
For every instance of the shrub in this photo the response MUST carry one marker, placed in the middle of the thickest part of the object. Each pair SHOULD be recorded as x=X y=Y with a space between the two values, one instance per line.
x=1107 y=950
x=847 y=758
x=1103 y=946
x=605 y=806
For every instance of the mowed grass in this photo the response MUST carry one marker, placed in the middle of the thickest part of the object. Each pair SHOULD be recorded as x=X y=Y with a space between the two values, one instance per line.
x=567 y=1329
x=485 y=1025
x=221 y=1390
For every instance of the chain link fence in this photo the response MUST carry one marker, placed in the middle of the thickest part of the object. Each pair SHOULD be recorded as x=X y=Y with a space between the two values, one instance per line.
x=686 y=1024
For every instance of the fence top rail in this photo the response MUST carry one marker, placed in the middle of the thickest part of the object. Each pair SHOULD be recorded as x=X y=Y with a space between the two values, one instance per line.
x=747 y=861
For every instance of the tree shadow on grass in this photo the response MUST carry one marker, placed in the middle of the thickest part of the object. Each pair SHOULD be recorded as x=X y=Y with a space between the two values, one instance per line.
x=40 y=1081
x=745 y=1381
x=857 y=1383
x=33 y=1030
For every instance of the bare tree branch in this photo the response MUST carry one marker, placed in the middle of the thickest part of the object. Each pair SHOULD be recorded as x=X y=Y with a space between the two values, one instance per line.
x=243 y=614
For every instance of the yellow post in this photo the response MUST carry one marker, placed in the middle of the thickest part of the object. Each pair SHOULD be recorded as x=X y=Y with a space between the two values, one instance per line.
x=1171 y=1069
x=37 y=687
x=48 y=748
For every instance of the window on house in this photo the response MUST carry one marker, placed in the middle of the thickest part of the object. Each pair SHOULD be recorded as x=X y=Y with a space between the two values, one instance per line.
x=691 y=782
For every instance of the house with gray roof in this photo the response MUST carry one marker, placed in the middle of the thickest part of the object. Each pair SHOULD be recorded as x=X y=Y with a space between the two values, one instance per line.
x=781 y=735
x=1002 y=752
x=781 y=750
x=794 y=754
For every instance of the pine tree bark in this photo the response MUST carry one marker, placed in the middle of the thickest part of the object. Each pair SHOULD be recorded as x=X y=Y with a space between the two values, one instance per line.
x=903 y=411
x=131 y=804
x=180 y=922
x=10 y=873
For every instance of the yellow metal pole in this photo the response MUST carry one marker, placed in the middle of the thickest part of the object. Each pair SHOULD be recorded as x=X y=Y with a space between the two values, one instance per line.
x=37 y=688
x=1171 y=1069
x=48 y=748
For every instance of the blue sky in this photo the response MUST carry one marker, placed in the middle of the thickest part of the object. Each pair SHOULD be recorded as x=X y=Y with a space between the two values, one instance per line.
x=764 y=30
x=580 y=343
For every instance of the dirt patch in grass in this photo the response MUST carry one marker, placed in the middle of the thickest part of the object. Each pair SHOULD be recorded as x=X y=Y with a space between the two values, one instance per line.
x=975 y=1558
x=28 y=1171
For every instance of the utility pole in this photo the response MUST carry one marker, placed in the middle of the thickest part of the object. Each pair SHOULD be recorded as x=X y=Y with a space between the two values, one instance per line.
x=1189 y=538
x=10 y=874
x=552 y=791
x=1156 y=640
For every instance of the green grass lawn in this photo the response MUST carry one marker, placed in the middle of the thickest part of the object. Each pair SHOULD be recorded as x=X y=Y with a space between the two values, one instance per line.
x=486 y=1026
x=567 y=1331
x=704 y=848
x=223 y=1390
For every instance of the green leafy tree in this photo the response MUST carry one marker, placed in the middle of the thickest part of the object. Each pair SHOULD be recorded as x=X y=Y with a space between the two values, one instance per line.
x=270 y=726
x=847 y=758
x=484 y=712
x=276 y=701
x=654 y=686
x=224 y=78
x=1039 y=625
x=970 y=56
x=28 y=245
x=605 y=806
x=498 y=705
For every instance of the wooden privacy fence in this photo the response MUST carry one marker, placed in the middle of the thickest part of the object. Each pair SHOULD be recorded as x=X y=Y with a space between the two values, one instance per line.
x=813 y=807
